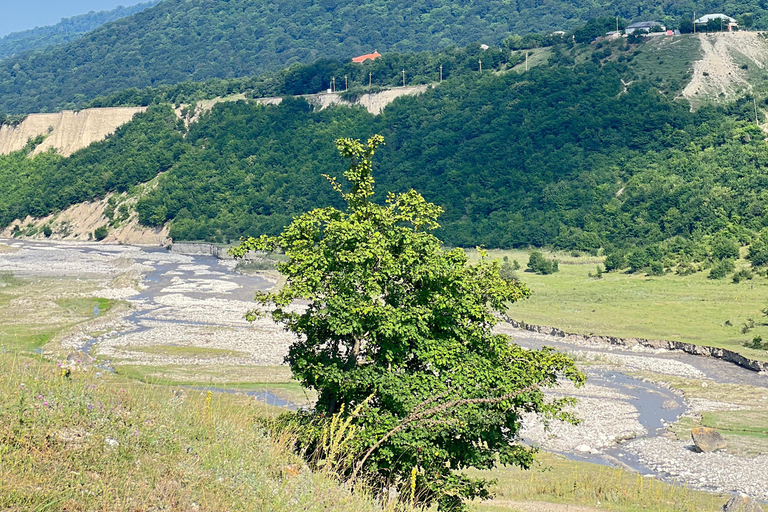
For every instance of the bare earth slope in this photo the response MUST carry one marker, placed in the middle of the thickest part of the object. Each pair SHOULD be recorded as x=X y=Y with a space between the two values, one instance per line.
x=724 y=71
x=66 y=131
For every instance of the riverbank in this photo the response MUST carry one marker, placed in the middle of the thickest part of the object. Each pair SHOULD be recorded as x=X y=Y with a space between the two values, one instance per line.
x=182 y=323
x=708 y=390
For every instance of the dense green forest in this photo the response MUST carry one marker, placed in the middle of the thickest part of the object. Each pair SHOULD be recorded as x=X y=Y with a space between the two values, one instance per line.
x=64 y=31
x=559 y=156
x=181 y=40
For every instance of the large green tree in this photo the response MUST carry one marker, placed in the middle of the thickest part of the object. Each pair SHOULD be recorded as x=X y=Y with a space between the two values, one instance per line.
x=403 y=327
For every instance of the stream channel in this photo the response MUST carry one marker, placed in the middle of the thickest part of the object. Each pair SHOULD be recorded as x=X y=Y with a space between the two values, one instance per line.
x=197 y=279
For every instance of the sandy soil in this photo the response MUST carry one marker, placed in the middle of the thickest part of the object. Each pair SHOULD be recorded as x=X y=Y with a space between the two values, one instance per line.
x=78 y=222
x=717 y=74
x=66 y=131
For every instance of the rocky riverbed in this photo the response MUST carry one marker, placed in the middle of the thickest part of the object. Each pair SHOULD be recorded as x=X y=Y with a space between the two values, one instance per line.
x=184 y=315
x=612 y=430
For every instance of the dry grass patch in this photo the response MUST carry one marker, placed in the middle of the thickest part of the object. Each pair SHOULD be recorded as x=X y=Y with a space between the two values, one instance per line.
x=88 y=443
x=273 y=379
x=34 y=311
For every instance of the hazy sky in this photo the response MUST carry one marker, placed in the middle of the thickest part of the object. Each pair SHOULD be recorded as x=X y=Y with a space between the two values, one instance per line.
x=16 y=15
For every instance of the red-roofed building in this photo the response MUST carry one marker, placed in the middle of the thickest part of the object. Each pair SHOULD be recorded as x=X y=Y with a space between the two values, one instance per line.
x=373 y=56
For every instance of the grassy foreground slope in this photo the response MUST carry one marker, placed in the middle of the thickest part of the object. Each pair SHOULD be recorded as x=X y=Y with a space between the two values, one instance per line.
x=87 y=442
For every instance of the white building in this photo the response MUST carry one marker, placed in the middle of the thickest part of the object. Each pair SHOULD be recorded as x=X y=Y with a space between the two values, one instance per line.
x=728 y=23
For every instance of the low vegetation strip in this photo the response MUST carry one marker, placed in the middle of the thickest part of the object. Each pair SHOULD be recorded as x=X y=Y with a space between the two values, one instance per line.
x=690 y=348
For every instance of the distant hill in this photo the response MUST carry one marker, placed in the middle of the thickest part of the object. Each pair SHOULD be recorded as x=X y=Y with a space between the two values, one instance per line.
x=64 y=31
x=179 y=40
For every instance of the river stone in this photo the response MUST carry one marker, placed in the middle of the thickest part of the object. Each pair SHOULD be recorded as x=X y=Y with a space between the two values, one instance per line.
x=742 y=503
x=707 y=439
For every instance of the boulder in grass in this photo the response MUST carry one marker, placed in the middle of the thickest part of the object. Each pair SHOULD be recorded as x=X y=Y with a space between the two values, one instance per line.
x=742 y=503
x=707 y=439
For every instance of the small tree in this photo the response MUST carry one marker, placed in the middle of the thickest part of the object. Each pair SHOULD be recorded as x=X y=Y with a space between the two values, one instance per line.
x=399 y=330
x=758 y=250
x=539 y=264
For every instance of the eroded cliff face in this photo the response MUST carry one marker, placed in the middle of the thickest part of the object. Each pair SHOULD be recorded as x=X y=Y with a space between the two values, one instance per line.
x=78 y=222
x=67 y=131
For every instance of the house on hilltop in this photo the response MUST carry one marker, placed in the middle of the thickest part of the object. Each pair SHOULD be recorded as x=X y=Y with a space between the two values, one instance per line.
x=372 y=56
x=644 y=26
x=726 y=22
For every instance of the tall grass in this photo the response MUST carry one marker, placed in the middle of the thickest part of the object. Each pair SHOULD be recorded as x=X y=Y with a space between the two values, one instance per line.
x=98 y=442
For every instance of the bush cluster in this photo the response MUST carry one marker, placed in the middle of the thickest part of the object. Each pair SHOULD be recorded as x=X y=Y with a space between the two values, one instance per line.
x=540 y=265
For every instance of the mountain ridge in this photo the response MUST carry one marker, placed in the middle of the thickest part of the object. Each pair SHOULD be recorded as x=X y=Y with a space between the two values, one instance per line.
x=65 y=30
x=178 y=40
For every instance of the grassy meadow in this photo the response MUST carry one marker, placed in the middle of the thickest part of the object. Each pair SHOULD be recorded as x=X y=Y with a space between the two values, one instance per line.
x=692 y=308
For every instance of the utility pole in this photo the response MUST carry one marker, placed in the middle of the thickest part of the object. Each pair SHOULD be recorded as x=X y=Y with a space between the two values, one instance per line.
x=755 y=103
x=441 y=72
x=333 y=84
x=526 y=60
x=617 y=24
x=346 y=85
x=370 y=75
x=481 y=65
x=694 y=22
x=403 y=77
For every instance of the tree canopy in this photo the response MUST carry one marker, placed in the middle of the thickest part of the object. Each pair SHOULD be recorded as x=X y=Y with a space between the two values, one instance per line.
x=182 y=40
x=400 y=329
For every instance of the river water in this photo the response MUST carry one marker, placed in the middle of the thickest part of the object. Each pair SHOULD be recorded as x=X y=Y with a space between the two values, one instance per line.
x=184 y=299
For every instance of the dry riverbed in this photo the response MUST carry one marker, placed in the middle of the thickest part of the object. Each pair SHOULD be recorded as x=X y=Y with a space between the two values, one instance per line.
x=180 y=319
x=712 y=393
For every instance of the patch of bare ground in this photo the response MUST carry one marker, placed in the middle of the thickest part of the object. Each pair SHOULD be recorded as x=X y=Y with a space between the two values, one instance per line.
x=721 y=73
x=78 y=222
x=66 y=131
x=537 y=506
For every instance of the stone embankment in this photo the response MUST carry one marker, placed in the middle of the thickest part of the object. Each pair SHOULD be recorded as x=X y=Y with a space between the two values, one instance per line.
x=690 y=348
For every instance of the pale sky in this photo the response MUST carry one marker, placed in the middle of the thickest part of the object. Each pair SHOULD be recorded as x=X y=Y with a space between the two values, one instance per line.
x=17 y=15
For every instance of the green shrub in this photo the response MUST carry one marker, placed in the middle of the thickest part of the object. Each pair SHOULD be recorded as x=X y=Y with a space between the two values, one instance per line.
x=100 y=233
x=656 y=269
x=725 y=248
x=742 y=274
x=539 y=264
x=721 y=269
x=615 y=261
x=47 y=231
x=756 y=343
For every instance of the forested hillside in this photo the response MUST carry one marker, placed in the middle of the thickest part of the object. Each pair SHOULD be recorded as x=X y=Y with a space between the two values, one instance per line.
x=180 y=40
x=561 y=156
x=64 y=31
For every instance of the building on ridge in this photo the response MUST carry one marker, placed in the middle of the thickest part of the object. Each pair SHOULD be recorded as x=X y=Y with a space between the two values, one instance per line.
x=644 y=26
x=727 y=21
x=372 y=56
